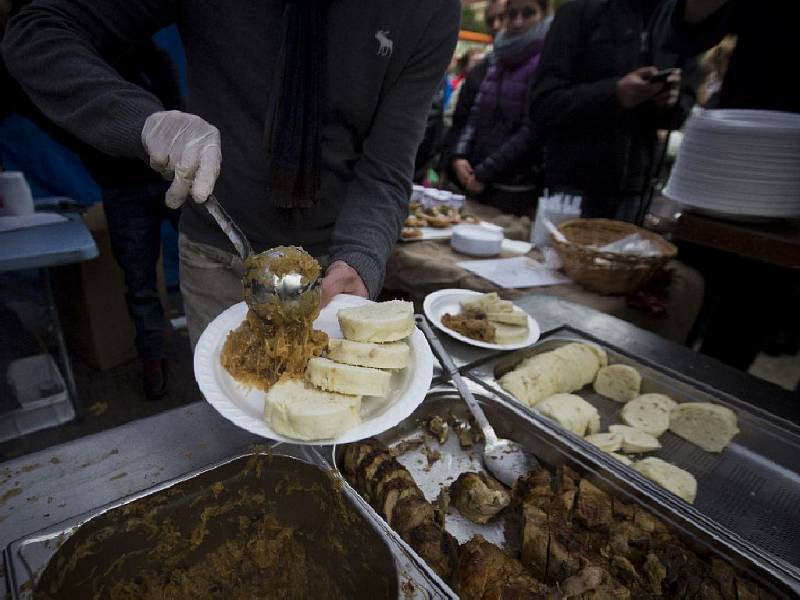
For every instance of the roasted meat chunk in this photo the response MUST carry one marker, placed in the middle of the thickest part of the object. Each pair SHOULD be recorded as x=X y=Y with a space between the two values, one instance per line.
x=478 y=496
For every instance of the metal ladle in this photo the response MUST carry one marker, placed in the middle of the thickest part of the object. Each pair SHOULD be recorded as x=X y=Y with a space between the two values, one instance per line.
x=505 y=459
x=292 y=295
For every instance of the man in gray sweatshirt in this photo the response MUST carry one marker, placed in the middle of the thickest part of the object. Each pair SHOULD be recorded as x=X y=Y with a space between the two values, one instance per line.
x=378 y=68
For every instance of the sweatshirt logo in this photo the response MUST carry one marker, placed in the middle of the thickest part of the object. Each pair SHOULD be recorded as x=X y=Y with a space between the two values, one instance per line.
x=385 y=45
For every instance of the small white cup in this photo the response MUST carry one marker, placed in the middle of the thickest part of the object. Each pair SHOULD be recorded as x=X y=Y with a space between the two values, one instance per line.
x=15 y=194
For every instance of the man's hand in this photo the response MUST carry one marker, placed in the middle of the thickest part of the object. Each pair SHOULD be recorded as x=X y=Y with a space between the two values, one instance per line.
x=668 y=97
x=185 y=149
x=635 y=88
x=464 y=171
x=341 y=278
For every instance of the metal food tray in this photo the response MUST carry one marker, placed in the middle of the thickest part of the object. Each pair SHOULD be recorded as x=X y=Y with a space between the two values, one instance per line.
x=551 y=448
x=301 y=489
x=751 y=489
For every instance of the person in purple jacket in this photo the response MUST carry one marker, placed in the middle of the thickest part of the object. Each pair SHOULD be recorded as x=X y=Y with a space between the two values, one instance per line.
x=493 y=158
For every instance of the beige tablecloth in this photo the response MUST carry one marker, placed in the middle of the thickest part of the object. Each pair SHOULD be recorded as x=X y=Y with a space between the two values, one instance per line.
x=418 y=268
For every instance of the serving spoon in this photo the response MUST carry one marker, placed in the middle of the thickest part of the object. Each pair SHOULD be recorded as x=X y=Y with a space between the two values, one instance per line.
x=294 y=294
x=505 y=459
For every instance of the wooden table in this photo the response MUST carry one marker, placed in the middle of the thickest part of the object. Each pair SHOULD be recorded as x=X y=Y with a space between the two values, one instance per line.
x=773 y=243
x=418 y=268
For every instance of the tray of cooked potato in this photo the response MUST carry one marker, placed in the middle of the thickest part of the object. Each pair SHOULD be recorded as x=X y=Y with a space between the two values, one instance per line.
x=736 y=464
x=569 y=528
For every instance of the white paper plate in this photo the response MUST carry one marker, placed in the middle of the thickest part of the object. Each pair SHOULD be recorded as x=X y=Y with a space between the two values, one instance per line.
x=245 y=406
x=447 y=301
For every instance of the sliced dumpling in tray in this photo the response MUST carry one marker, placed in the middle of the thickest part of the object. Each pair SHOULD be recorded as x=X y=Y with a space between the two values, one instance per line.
x=708 y=425
x=618 y=382
x=676 y=480
x=571 y=412
x=649 y=413
x=635 y=441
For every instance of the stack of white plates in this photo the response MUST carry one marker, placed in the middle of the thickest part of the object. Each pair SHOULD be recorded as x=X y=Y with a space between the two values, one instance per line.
x=739 y=163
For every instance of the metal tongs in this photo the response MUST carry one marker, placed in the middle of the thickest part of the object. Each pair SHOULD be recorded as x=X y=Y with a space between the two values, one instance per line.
x=295 y=292
x=506 y=460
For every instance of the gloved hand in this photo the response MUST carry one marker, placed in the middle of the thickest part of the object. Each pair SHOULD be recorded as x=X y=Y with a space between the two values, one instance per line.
x=185 y=149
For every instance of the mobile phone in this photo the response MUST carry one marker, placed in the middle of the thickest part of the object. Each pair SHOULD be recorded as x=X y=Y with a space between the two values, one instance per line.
x=661 y=76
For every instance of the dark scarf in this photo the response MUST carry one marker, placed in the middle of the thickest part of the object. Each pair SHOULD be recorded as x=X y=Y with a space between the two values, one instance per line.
x=513 y=50
x=293 y=122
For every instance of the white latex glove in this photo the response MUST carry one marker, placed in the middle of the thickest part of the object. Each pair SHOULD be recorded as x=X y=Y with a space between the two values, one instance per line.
x=185 y=149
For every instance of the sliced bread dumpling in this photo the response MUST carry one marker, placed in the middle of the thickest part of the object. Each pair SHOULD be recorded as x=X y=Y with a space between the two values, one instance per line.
x=676 y=480
x=571 y=412
x=618 y=382
x=707 y=425
x=377 y=321
x=515 y=317
x=509 y=334
x=528 y=386
x=583 y=363
x=347 y=379
x=486 y=302
x=607 y=442
x=393 y=355
x=634 y=441
x=297 y=410
x=649 y=413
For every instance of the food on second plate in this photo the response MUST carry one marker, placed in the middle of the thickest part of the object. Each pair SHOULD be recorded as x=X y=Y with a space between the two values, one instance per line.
x=486 y=318
x=478 y=496
x=270 y=344
x=676 y=480
x=618 y=382
x=571 y=412
x=393 y=355
x=566 y=369
x=298 y=410
x=511 y=317
x=707 y=425
x=649 y=413
x=409 y=233
x=486 y=302
x=390 y=489
x=470 y=326
x=607 y=442
x=378 y=322
x=347 y=379
x=635 y=441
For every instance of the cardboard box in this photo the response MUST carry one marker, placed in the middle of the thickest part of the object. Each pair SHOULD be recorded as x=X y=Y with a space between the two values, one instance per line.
x=91 y=302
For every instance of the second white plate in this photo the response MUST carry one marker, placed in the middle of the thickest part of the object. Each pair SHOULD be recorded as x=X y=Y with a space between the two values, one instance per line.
x=447 y=301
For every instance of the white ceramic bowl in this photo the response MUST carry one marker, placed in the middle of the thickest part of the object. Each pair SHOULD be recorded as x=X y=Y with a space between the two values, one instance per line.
x=477 y=240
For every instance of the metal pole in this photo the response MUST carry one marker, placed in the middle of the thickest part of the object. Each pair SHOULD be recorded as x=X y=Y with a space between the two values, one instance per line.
x=72 y=390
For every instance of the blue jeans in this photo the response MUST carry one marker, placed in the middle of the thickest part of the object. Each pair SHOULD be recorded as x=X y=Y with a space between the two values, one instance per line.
x=134 y=216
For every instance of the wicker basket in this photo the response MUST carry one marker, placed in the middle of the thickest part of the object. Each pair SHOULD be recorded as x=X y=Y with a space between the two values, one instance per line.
x=607 y=272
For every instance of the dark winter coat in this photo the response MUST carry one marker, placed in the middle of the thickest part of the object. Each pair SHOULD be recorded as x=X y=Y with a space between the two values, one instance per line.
x=590 y=143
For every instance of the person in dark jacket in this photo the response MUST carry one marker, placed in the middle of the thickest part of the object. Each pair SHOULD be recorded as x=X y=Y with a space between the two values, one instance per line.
x=495 y=21
x=594 y=106
x=486 y=160
x=132 y=194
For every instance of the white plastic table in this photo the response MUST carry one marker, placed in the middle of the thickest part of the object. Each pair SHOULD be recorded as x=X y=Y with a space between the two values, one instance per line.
x=42 y=248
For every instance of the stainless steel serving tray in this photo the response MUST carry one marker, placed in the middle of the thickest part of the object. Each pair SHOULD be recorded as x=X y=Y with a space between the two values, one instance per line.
x=300 y=489
x=552 y=448
x=750 y=492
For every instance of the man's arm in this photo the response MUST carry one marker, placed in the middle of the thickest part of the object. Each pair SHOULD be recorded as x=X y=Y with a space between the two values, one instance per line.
x=557 y=99
x=53 y=48
x=377 y=198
